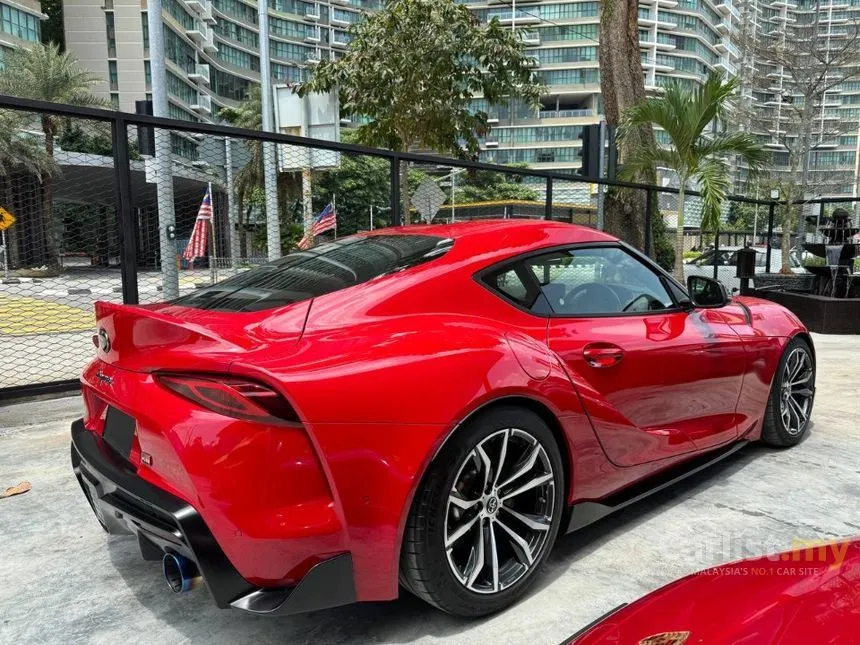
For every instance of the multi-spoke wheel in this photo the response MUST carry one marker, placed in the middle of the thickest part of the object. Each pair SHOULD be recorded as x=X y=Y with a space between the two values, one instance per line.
x=791 y=397
x=486 y=515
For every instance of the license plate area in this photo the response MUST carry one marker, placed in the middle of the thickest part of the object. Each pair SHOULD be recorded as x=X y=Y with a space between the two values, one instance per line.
x=119 y=431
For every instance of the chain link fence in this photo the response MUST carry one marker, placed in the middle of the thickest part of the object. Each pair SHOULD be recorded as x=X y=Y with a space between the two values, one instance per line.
x=100 y=205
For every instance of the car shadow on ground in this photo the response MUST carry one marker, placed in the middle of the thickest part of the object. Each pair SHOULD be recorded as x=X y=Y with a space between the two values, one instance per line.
x=196 y=618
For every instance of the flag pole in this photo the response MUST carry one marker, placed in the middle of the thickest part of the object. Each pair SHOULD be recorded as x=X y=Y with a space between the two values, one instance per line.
x=213 y=255
x=334 y=208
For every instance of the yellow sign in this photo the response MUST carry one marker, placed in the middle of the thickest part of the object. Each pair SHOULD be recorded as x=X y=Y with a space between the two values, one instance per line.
x=6 y=219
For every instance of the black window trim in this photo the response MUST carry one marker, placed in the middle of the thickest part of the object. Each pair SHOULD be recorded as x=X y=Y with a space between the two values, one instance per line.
x=517 y=263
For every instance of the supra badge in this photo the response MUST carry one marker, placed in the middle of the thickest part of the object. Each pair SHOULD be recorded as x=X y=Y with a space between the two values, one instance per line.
x=666 y=638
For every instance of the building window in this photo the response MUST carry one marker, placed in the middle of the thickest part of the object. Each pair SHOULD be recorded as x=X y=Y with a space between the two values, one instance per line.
x=178 y=88
x=179 y=51
x=567 y=55
x=238 y=33
x=111 y=34
x=144 y=30
x=178 y=13
x=147 y=74
x=288 y=73
x=113 y=75
x=19 y=24
x=290 y=51
x=237 y=9
x=183 y=147
x=238 y=58
x=114 y=100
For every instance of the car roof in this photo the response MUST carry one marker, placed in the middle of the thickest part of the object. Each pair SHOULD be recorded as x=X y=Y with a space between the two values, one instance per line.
x=498 y=238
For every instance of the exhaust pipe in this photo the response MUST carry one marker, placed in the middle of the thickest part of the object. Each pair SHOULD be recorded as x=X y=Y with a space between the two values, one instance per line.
x=181 y=573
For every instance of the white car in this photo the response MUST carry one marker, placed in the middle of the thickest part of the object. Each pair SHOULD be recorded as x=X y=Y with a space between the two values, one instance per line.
x=726 y=260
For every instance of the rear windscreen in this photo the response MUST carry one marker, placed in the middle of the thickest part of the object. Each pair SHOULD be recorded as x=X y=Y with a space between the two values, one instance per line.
x=325 y=268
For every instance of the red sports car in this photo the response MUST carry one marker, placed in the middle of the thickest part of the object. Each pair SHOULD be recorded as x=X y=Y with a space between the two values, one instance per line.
x=809 y=595
x=425 y=407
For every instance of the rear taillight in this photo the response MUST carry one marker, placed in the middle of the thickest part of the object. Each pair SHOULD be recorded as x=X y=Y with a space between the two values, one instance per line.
x=232 y=397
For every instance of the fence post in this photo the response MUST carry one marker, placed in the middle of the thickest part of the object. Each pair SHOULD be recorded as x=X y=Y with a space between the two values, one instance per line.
x=770 y=214
x=126 y=220
x=396 y=215
x=547 y=207
x=649 y=215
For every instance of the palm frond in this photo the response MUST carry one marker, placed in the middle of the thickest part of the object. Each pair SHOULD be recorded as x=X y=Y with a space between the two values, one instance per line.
x=741 y=144
x=713 y=177
x=645 y=159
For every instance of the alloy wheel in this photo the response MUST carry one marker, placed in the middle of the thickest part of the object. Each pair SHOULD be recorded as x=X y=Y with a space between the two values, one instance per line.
x=499 y=511
x=797 y=391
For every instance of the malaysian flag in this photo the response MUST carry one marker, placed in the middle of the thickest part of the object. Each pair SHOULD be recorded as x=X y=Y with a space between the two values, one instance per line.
x=196 y=247
x=325 y=221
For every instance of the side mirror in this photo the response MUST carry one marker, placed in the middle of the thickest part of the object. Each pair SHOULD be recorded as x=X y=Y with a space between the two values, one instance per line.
x=706 y=292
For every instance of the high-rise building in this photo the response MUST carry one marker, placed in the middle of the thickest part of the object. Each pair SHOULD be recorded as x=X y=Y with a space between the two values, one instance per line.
x=212 y=47
x=212 y=54
x=805 y=30
x=680 y=40
x=20 y=24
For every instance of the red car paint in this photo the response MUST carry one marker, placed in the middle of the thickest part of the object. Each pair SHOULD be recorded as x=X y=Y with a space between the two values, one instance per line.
x=811 y=595
x=381 y=373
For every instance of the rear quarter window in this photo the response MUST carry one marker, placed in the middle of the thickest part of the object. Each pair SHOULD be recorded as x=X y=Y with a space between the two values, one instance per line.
x=324 y=269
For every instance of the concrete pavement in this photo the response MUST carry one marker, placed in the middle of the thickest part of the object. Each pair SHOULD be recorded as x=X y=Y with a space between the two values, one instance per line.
x=65 y=581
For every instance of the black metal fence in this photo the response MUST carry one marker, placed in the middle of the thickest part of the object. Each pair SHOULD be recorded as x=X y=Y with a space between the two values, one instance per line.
x=94 y=219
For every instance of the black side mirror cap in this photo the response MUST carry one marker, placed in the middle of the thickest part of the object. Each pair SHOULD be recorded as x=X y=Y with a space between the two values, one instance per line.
x=706 y=292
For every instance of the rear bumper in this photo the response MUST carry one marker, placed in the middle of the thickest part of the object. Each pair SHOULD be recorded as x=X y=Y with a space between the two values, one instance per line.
x=126 y=504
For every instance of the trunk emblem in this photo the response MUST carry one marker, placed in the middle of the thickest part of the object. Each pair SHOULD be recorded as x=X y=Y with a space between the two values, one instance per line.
x=104 y=378
x=104 y=340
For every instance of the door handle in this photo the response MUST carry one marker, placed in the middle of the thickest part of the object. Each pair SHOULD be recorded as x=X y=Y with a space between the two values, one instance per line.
x=602 y=354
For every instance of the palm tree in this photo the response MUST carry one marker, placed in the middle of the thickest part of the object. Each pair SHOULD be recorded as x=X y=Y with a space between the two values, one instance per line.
x=43 y=72
x=694 y=154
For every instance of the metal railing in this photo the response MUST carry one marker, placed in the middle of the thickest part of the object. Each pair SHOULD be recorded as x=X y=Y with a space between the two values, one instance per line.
x=92 y=224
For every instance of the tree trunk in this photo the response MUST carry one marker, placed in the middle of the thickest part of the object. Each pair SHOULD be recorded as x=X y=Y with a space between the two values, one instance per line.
x=622 y=84
x=52 y=254
x=405 y=201
x=679 y=235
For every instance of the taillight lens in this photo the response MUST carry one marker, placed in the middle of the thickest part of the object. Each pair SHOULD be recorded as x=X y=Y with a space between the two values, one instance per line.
x=232 y=397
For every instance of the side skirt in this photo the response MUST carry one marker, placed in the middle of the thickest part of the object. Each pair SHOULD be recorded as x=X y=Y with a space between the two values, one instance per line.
x=585 y=513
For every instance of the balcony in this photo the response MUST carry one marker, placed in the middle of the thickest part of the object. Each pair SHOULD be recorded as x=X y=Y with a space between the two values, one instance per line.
x=491 y=142
x=209 y=45
x=313 y=14
x=198 y=33
x=313 y=58
x=520 y=18
x=723 y=28
x=202 y=104
x=313 y=36
x=200 y=74
x=195 y=5
x=338 y=22
x=564 y=114
x=530 y=37
x=339 y=39
x=346 y=2
x=725 y=65
x=207 y=15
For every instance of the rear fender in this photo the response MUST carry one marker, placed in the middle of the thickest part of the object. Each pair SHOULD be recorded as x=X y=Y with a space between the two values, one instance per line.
x=380 y=421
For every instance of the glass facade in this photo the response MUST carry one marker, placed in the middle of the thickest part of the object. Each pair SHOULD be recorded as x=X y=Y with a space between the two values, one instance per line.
x=20 y=24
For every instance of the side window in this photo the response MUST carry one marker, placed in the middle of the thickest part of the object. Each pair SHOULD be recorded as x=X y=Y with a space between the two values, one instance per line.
x=605 y=280
x=509 y=283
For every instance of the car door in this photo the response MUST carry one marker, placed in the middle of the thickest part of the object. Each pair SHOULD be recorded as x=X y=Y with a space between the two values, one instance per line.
x=656 y=380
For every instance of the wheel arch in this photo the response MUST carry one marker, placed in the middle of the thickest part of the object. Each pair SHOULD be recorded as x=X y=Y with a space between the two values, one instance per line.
x=520 y=400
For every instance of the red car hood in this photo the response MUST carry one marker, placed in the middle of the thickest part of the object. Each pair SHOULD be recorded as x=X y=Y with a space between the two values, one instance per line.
x=811 y=595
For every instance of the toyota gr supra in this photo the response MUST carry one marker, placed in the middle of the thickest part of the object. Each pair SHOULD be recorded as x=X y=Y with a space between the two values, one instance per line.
x=422 y=407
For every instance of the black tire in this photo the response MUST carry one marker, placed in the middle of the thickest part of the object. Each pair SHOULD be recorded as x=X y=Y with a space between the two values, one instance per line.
x=778 y=431
x=424 y=562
